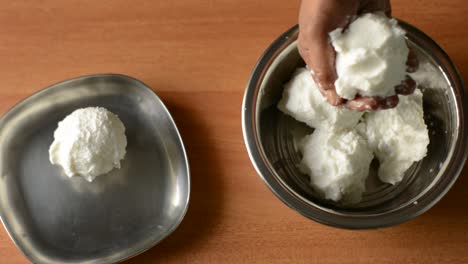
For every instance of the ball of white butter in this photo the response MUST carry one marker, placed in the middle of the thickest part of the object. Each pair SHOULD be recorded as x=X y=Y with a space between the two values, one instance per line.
x=303 y=101
x=337 y=163
x=88 y=142
x=371 y=56
x=398 y=136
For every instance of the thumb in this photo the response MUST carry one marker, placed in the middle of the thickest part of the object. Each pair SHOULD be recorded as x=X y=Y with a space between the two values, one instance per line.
x=319 y=56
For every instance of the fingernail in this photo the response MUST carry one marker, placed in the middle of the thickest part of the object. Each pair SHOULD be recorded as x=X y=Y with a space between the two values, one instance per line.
x=406 y=87
x=390 y=102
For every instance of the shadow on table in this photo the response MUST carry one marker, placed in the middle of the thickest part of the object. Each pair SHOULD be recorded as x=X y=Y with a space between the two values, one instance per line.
x=448 y=217
x=206 y=197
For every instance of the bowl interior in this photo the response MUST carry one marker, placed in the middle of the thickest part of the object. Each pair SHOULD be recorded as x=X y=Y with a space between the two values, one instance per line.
x=278 y=134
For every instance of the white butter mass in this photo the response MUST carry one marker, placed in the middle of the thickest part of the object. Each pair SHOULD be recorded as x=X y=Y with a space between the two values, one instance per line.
x=371 y=56
x=338 y=154
x=303 y=101
x=337 y=163
x=88 y=142
x=398 y=136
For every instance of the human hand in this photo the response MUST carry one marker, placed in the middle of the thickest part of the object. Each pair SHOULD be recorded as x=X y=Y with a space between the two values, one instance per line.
x=319 y=17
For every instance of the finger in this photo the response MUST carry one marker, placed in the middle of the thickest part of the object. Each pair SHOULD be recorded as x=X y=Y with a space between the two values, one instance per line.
x=412 y=63
x=406 y=87
x=332 y=97
x=319 y=56
x=316 y=20
x=364 y=103
x=389 y=102
x=323 y=70
x=371 y=6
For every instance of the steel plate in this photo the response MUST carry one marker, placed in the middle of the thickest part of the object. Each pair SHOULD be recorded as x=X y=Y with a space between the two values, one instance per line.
x=56 y=219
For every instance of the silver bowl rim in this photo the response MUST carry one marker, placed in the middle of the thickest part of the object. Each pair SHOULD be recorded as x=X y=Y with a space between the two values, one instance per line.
x=142 y=85
x=318 y=213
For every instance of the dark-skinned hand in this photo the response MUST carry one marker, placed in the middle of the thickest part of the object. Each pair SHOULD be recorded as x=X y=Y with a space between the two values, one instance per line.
x=319 y=17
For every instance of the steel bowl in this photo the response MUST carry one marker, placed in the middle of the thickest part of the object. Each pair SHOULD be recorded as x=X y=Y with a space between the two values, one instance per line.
x=271 y=139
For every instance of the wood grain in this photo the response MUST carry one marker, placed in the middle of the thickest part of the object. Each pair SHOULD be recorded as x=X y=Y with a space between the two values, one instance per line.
x=197 y=55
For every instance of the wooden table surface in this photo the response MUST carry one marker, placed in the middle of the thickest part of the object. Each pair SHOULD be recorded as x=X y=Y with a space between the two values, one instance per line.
x=197 y=55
